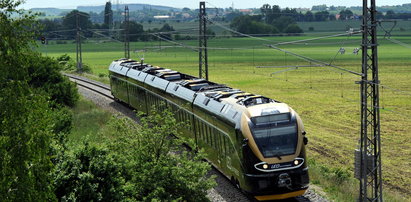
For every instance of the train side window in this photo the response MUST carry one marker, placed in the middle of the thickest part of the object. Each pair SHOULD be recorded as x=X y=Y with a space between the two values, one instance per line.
x=199 y=129
x=212 y=139
x=190 y=121
x=206 y=138
x=228 y=143
x=223 y=145
x=181 y=116
x=215 y=137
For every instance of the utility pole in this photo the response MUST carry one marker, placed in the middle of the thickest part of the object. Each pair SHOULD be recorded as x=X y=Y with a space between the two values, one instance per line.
x=127 y=30
x=202 y=52
x=368 y=157
x=79 y=58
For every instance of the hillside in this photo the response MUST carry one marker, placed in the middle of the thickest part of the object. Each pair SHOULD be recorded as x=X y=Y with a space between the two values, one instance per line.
x=99 y=9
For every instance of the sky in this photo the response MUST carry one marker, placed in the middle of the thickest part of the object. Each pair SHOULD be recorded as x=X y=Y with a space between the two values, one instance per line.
x=210 y=3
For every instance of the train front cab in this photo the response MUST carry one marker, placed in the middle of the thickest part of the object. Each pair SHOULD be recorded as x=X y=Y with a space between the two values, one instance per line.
x=275 y=166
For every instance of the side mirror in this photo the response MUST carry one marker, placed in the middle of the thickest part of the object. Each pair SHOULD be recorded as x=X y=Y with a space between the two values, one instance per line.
x=305 y=140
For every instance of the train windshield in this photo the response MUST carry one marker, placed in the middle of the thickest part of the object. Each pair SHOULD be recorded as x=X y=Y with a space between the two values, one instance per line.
x=276 y=140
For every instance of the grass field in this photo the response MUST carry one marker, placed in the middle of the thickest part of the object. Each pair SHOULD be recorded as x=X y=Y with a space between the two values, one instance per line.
x=327 y=99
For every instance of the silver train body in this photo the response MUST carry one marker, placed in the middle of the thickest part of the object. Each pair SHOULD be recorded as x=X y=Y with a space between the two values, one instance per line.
x=256 y=142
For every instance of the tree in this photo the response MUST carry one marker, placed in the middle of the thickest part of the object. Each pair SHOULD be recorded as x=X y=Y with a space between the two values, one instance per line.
x=49 y=26
x=250 y=25
x=108 y=15
x=166 y=28
x=309 y=17
x=283 y=22
x=321 y=16
x=28 y=121
x=26 y=125
x=44 y=74
x=90 y=173
x=136 y=31
x=293 y=28
x=70 y=22
x=390 y=14
x=158 y=167
x=346 y=14
x=266 y=11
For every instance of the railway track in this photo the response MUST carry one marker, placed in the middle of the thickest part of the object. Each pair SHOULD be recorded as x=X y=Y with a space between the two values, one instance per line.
x=225 y=190
x=94 y=86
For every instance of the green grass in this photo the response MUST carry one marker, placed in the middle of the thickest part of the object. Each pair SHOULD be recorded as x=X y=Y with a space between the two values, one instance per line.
x=326 y=99
x=88 y=121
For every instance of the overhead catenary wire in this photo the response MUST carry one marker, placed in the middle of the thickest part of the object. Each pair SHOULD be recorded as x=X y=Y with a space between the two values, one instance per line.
x=105 y=36
x=174 y=42
x=339 y=51
x=398 y=42
x=291 y=53
x=314 y=61
x=346 y=98
x=318 y=38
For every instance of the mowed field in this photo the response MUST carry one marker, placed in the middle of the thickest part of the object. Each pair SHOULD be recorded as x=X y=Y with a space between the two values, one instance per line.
x=327 y=99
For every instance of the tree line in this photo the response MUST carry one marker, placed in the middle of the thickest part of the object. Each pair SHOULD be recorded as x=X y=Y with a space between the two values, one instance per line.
x=66 y=29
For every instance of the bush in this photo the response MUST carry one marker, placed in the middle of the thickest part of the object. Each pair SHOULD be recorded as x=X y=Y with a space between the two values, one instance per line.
x=158 y=166
x=293 y=28
x=44 y=74
x=89 y=174
x=136 y=164
x=311 y=29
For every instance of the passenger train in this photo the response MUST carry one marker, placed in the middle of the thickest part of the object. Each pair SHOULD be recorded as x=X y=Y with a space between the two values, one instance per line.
x=256 y=142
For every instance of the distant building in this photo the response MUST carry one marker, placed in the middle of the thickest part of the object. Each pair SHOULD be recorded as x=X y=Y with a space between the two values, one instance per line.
x=245 y=11
x=337 y=16
x=161 y=17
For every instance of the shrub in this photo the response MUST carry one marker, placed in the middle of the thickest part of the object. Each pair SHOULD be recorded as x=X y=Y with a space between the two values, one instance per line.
x=89 y=174
x=293 y=28
x=311 y=29
x=159 y=168
x=45 y=74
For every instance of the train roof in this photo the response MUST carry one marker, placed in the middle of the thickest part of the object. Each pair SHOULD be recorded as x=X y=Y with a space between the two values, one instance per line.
x=224 y=101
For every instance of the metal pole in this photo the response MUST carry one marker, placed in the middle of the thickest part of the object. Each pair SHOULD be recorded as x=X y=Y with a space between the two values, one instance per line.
x=370 y=141
x=127 y=36
x=79 y=59
x=202 y=52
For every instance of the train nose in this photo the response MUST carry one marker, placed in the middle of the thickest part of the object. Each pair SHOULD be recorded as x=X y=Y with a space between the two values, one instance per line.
x=284 y=180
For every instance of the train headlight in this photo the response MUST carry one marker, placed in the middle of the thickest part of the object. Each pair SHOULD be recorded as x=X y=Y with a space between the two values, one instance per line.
x=265 y=166
x=296 y=162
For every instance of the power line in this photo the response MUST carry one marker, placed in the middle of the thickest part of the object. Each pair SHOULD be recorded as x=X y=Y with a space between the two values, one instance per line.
x=173 y=42
x=398 y=42
x=291 y=53
x=349 y=33
x=314 y=61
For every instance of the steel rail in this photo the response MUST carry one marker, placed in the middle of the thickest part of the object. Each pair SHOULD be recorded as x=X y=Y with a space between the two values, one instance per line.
x=93 y=83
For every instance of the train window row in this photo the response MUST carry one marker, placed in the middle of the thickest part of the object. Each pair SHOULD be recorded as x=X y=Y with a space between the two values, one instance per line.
x=153 y=99
x=213 y=137
x=206 y=133
x=136 y=92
